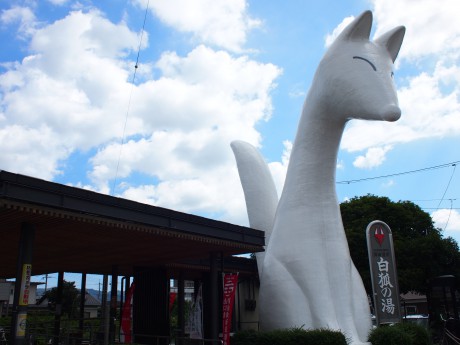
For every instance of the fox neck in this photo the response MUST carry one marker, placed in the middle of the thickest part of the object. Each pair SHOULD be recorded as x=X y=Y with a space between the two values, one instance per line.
x=311 y=173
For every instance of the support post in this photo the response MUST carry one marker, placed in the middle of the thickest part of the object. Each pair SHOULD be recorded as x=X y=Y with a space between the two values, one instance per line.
x=122 y=300
x=180 y=307
x=22 y=284
x=113 y=302
x=214 y=298
x=151 y=306
x=127 y=283
x=239 y=308
x=104 y=313
x=82 y=302
x=58 y=311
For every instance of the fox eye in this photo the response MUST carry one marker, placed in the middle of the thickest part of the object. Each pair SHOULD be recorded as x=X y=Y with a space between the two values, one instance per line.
x=364 y=59
x=392 y=74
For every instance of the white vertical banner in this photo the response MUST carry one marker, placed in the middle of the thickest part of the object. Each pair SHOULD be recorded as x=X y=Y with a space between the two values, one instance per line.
x=196 y=317
x=383 y=273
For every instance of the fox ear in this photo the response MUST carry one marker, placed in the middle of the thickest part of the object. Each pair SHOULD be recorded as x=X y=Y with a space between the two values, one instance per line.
x=392 y=41
x=359 y=29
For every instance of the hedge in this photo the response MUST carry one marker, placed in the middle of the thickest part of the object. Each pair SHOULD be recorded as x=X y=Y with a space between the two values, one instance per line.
x=400 y=334
x=293 y=336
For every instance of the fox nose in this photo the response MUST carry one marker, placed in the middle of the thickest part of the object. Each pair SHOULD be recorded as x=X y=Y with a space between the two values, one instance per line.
x=391 y=113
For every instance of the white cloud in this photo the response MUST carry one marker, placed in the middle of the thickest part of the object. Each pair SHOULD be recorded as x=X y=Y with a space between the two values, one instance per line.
x=201 y=103
x=388 y=183
x=31 y=151
x=428 y=112
x=373 y=158
x=22 y=15
x=77 y=86
x=340 y=164
x=430 y=25
x=297 y=91
x=217 y=22
x=202 y=195
x=82 y=34
x=215 y=89
x=448 y=220
x=58 y=2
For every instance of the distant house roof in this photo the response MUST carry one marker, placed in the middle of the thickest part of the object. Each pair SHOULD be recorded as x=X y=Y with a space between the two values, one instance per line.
x=413 y=297
x=90 y=300
x=11 y=282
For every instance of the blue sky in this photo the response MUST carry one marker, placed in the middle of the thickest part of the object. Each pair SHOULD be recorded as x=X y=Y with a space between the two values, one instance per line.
x=213 y=71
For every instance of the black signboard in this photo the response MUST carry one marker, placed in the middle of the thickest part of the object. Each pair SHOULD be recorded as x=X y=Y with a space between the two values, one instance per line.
x=383 y=273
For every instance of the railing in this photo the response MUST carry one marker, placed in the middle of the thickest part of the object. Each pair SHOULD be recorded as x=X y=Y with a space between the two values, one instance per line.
x=188 y=341
x=174 y=340
x=248 y=325
x=3 y=336
x=451 y=332
x=41 y=332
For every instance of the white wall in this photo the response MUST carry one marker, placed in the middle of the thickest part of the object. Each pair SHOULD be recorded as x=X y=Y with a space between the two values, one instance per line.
x=248 y=291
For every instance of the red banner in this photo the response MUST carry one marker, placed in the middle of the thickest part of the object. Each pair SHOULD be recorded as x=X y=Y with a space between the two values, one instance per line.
x=172 y=298
x=126 y=316
x=230 y=284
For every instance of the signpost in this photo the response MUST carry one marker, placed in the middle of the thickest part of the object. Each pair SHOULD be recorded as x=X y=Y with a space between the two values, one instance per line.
x=22 y=285
x=383 y=273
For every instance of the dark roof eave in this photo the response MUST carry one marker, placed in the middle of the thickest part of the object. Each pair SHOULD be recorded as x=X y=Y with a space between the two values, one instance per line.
x=50 y=194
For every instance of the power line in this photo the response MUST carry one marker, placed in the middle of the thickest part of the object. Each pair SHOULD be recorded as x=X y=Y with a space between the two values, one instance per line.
x=448 y=217
x=437 y=208
x=447 y=187
x=129 y=101
x=434 y=208
x=450 y=210
x=414 y=200
x=451 y=200
x=402 y=173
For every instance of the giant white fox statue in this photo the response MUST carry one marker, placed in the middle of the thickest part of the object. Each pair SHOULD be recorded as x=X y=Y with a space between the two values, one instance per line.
x=306 y=273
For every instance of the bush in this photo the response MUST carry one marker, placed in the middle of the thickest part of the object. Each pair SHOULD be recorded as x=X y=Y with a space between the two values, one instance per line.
x=244 y=337
x=293 y=336
x=400 y=334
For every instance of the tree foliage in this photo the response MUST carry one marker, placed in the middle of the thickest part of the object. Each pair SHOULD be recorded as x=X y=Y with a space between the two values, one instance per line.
x=69 y=301
x=420 y=249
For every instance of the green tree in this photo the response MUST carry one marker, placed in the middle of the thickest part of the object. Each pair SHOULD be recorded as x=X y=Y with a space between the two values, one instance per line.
x=420 y=249
x=70 y=298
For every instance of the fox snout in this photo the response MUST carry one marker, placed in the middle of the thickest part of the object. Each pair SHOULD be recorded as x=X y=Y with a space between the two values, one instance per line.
x=391 y=113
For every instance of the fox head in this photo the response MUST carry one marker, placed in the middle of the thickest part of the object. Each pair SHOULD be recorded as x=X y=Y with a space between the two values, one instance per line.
x=355 y=77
